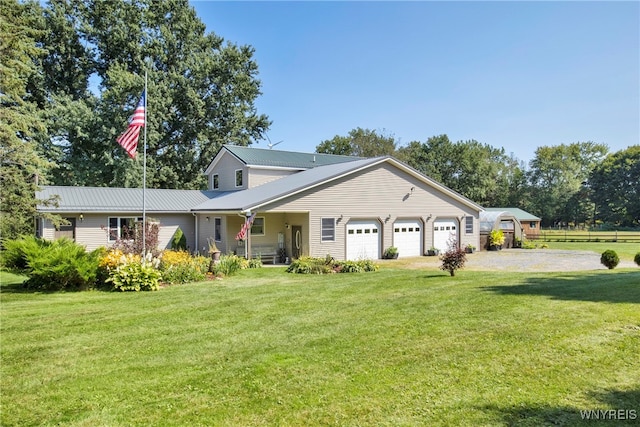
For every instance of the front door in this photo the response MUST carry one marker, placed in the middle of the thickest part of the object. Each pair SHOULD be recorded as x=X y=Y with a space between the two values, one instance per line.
x=296 y=235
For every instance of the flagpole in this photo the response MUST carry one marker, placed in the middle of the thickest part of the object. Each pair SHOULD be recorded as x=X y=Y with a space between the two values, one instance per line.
x=144 y=172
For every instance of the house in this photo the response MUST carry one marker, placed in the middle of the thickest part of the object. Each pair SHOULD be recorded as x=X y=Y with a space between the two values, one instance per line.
x=300 y=204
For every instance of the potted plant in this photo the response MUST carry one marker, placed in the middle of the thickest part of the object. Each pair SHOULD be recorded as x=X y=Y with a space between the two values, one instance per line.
x=433 y=251
x=470 y=248
x=496 y=240
x=391 y=253
x=214 y=252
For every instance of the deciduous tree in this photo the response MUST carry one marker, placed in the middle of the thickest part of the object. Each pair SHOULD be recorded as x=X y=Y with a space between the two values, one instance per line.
x=360 y=142
x=201 y=91
x=556 y=175
x=615 y=187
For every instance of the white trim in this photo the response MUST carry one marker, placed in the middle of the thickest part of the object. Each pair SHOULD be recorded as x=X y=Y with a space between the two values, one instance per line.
x=322 y=239
x=235 y=178
x=264 y=226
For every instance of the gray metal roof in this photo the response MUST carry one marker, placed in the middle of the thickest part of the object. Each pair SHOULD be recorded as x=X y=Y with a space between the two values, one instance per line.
x=105 y=199
x=287 y=159
x=255 y=197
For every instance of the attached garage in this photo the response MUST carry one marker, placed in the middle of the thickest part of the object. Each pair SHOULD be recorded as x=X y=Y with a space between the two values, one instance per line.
x=363 y=240
x=407 y=237
x=445 y=231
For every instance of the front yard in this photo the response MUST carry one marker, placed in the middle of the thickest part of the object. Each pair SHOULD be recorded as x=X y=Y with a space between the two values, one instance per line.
x=394 y=347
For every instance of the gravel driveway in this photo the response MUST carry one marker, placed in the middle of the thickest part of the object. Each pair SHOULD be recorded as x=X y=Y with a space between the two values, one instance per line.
x=538 y=260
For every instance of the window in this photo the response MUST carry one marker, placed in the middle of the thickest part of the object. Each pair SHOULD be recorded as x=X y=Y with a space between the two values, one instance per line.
x=328 y=230
x=257 y=229
x=468 y=225
x=532 y=224
x=239 y=178
x=217 y=229
x=216 y=181
x=122 y=228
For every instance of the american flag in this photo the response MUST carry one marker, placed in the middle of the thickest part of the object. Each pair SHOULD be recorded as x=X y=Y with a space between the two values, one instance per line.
x=129 y=138
x=245 y=227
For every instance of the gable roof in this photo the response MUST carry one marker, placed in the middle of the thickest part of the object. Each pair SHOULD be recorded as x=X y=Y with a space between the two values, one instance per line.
x=256 y=197
x=518 y=213
x=106 y=199
x=261 y=157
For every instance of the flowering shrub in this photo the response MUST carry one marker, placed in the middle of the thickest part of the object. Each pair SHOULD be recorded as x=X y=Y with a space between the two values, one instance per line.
x=181 y=267
x=128 y=272
x=134 y=275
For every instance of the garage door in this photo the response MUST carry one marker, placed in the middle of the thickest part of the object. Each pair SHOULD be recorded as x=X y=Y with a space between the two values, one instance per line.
x=407 y=237
x=445 y=231
x=363 y=240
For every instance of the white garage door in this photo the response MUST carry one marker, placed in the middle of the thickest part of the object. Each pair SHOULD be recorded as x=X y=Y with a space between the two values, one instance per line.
x=407 y=237
x=445 y=231
x=363 y=240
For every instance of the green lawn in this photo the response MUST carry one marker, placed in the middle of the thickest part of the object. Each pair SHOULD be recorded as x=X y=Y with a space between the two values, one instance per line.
x=395 y=347
x=626 y=251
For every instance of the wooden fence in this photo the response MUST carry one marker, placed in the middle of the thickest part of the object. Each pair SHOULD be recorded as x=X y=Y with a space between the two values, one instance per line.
x=587 y=236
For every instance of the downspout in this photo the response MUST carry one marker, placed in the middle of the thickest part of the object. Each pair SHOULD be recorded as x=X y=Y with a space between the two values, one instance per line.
x=196 y=227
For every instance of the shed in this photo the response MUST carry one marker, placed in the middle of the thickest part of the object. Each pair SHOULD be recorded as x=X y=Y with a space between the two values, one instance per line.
x=530 y=223
x=494 y=219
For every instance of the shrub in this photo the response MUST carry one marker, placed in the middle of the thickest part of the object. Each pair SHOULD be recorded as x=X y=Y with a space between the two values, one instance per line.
x=131 y=242
x=636 y=259
x=181 y=267
x=609 y=259
x=134 y=275
x=52 y=265
x=255 y=263
x=453 y=260
x=179 y=241
x=327 y=265
x=309 y=265
x=229 y=265
x=496 y=237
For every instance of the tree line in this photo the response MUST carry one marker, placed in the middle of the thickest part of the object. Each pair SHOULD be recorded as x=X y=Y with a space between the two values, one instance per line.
x=71 y=71
x=576 y=183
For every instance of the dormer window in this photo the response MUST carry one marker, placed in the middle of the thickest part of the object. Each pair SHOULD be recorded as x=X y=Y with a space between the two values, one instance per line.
x=215 y=181
x=238 y=177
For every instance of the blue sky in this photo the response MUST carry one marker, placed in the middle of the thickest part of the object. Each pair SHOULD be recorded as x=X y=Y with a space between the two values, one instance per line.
x=517 y=75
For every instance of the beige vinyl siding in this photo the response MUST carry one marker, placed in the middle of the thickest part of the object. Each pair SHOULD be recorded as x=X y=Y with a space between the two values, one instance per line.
x=375 y=194
x=169 y=224
x=92 y=231
x=206 y=230
x=258 y=176
x=226 y=169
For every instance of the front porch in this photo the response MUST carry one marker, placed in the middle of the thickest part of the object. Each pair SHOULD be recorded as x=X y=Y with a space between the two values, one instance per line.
x=274 y=237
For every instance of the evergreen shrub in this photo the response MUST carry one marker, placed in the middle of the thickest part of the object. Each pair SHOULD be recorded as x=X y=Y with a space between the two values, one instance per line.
x=54 y=265
x=609 y=259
